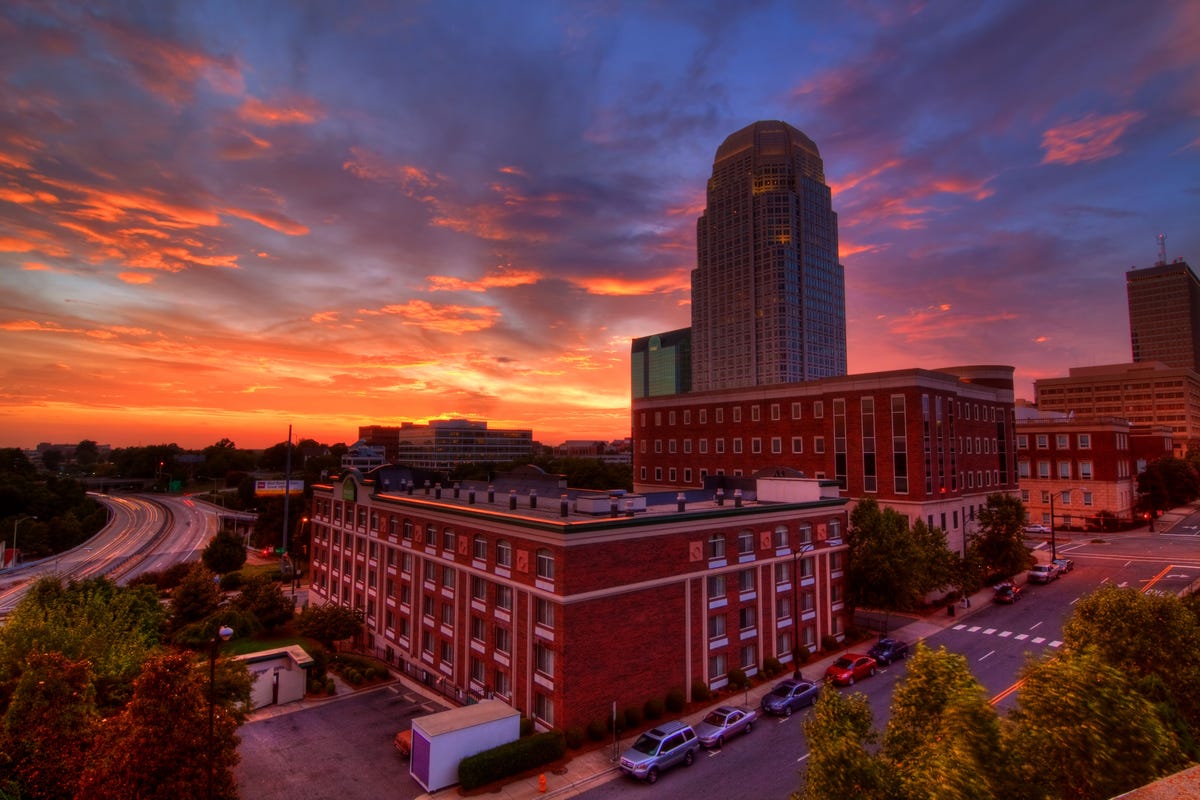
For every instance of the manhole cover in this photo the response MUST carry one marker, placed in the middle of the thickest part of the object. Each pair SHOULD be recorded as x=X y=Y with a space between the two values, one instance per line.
x=560 y=771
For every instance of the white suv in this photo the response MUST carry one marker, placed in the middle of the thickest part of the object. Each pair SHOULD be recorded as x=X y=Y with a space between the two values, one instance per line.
x=659 y=749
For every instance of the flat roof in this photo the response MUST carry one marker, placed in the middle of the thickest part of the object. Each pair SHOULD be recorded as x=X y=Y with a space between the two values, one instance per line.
x=457 y=719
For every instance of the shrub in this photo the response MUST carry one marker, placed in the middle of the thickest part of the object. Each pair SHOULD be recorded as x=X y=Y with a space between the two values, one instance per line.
x=511 y=758
x=772 y=667
x=738 y=679
x=597 y=730
x=633 y=717
x=574 y=737
x=802 y=654
x=675 y=701
x=526 y=726
x=330 y=687
x=700 y=692
x=231 y=581
x=829 y=642
x=653 y=709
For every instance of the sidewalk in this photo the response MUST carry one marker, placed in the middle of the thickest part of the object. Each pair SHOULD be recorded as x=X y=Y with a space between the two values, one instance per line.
x=589 y=769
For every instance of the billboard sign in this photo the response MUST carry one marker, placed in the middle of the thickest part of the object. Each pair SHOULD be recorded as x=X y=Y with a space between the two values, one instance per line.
x=278 y=487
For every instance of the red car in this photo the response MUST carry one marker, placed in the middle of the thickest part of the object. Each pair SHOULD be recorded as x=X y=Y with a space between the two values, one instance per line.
x=849 y=668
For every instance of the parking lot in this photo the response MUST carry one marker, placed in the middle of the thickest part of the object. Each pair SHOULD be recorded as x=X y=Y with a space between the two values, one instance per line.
x=337 y=749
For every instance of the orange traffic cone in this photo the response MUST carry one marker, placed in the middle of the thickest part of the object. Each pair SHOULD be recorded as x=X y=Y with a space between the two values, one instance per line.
x=542 y=783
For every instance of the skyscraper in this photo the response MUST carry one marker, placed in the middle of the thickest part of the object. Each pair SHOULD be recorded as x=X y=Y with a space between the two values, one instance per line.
x=768 y=293
x=1164 y=314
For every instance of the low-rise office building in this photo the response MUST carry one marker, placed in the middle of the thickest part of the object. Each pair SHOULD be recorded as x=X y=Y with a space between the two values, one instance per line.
x=930 y=444
x=563 y=602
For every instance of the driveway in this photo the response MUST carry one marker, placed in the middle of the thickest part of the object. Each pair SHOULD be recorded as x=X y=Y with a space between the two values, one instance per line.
x=337 y=749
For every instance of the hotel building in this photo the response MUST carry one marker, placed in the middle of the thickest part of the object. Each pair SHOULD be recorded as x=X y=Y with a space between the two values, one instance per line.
x=563 y=602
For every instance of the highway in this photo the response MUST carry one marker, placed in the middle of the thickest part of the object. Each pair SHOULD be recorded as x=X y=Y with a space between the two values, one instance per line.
x=144 y=534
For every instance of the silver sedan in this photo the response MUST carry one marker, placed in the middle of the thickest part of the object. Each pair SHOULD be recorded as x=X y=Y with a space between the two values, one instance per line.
x=723 y=722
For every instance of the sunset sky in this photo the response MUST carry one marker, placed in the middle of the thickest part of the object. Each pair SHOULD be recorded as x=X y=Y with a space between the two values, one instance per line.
x=219 y=219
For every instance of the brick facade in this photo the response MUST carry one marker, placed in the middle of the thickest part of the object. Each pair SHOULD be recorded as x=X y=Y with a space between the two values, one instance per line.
x=931 y=444
x=563 y=615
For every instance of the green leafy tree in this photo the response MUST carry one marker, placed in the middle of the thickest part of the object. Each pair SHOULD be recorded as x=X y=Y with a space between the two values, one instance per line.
x=157 y=747
x=48 y=725
x=841 y=764
x=112 y=627
x=195 y=598
x=1153 y=638
x=225 y=553
x=264 y=598
x=890 y=565
x=999 y=545
x=87 y=454
x=1166 y=483
x=330 y=623
x=943 y=739
x=1079 y=731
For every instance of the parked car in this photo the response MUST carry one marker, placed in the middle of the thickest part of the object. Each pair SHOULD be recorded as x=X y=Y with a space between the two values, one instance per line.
x=659 y=749
x=789 y=696
x=724 y=722
x=1037 y=529
x=1041 y=573
x=1064 y=565
x=849 y=668
x=888 y=650
x=1006 y=593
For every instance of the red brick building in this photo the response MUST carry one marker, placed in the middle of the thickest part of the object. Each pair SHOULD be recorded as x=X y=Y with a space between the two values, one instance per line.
x=565 y=604
x=1089 y=465
x=931 y=444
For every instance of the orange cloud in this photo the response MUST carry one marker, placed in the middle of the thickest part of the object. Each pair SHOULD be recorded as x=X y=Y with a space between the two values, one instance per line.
x=503 y=279
x=304 y=112
x=321 y=317
x=848 y=183
x=1090 y=138
x=9 y=244
x=25 y=197
x=170 y=69
x=441 y=319
x=269 y=219
x=678 y=281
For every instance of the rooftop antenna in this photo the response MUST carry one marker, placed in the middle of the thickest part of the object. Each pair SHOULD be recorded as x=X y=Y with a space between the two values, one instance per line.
x=1162 y=249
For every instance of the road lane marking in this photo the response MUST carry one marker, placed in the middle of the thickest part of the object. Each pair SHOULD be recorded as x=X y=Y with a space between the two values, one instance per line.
x=1020 y=637
x=990 y=631
x=1039 y=639
x=985 y=655
x=974 y=628
x=1006 y=692
x=1056 y=643
x=1034 y=625
x=1005 y=634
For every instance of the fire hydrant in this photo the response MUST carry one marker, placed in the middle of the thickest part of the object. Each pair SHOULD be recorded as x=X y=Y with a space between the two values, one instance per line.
x=542 y=783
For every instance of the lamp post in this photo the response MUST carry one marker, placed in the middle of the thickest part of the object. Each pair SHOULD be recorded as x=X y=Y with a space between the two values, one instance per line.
x=1053 y=538
x=214 y=648
x=16 y=525
x=806 y=547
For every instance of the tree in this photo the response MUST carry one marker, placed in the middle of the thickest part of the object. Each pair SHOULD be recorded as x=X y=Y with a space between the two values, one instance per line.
x=840 y=765
x=157 y=746
x=999 y=545
x=1153 y=638
x=330 y=623
x=943 y=739
x=225 y=553
x=110 y=626
x=891 y=566
x=1166 y=483
x=49 y=724
x=52 y=459
x=87 y=454
x=264 y=598
x=196 y=597
x=1080 y=728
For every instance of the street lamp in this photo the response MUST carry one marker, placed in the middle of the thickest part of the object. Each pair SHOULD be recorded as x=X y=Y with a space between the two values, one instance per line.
x=16 y=525
x=804 y=548
x=214 y=648
x=1053 y=538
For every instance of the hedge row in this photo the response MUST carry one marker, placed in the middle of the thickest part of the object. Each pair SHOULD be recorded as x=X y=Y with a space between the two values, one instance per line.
x=510 y=759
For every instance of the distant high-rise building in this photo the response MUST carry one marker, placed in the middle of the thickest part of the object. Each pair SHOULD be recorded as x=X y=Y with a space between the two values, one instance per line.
x=768 y=293
x=661 y=364
x=1164 y=315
